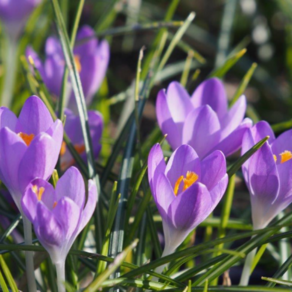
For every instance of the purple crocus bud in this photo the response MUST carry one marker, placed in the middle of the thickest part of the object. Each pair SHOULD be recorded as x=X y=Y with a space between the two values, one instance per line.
x=186 y=190
x=268 y=173
x=29 y=146
x=58 y=215
x=14 y=14
x=74 y=132
x=91 y=59
x=202 y=121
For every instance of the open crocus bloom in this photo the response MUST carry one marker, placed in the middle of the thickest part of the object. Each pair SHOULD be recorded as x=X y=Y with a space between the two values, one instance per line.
x=14 y=14
x=268 y=173
x=186 y=190
x=29 y=146
x=91 y=59
x=202 y=121
x=58 y=215
x=74 y=132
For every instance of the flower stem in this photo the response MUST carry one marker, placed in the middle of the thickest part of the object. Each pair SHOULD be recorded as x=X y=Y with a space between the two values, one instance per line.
x=10 y=71
x=247 y=268
x=60 y=269
x=29 y=255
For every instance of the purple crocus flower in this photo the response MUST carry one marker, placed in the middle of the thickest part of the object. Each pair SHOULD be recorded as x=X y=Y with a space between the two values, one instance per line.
x=14 y=14
x=186 y=190
x=58 y=215
x=91 y=59
x=74 y=132
x=202 y=121
x=268 y=173
x=29 y=146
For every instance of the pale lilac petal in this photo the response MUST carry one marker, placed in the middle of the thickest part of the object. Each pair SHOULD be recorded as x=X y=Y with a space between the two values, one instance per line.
x=182 y=160
x=233 y=142
x=191 y=207
x=234 y=117
x=67 y=213
x=29 y=203
x=53 y=47
x=86 y=41
x=71 y=185
x=166 y=122
x=38 y=161
x=7 y=118
x=178 y=101
x=156 y=165
x=263 y=175
x=164 y=195
x=34 y=117
x=12 y=150
x=213 y=169
x=202 y=130
x=211 y=92
x=282 y=143
x=219 y=189
x=88 y=211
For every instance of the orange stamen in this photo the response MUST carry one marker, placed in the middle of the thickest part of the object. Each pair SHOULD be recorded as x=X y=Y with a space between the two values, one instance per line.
x=63 y=148
x=54 y=205
x=188 y=181
x=285 y=156
x=38 y=191
x=77 y=63
x=26 y=138
x=80 y=148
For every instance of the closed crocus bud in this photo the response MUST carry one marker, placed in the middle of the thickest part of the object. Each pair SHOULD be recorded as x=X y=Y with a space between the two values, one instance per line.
x=91 y=59
x=186 y=190
x=202 y=121
x=29 y=146
x=268 y=173
x=74 y=132
x=58 y=215
x=14 y=13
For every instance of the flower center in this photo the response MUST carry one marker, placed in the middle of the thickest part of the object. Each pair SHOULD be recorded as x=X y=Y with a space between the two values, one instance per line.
x=55 y=204
x=190 y=179
x=26 y=138
x=285 y=156
x=38 y=191
x=63 y=148
x=80 y=148
x=77 y=63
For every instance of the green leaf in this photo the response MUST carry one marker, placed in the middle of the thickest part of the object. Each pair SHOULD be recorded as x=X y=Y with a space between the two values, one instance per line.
x=277 y=281
x=8 y=276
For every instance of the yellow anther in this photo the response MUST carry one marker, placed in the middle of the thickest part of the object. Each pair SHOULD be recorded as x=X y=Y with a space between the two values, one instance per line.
x=55 y=204
x=177 y=184
x=188 y=181
x=80 y=148
x=285 y=156
x=275 y=157
x=26 y=138
x=77 y=63
x=38 y=191
x=63 y=148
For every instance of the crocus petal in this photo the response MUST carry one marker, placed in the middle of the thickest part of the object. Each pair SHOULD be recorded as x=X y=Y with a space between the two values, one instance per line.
x=183 y=159
x=7 y=118
x=156 y=165
x=282 y=143
x=67 y=213
x=191 y=207
x=234 y=117
x=218 y=190
x=12 y=150
x=88 y=41
x=38 y=161
x=29 y=203
x=213 y=168
x=263 y=175
x=164 y=195
x=90 y=205
x=53 y=47
x=233 y=142
x=166 y=123
x=34 y=117
x=95 y=122
x=211 y=92
x=201 y=130
x=71 y=185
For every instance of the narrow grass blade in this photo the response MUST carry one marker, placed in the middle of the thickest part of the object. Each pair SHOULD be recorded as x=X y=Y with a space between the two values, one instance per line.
x=258 y=257
x=3 y=284
x=277 y=281
x=96 y=284
x=230 y=62
x=8 y=276
x=235 y=166
x=282 y=126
